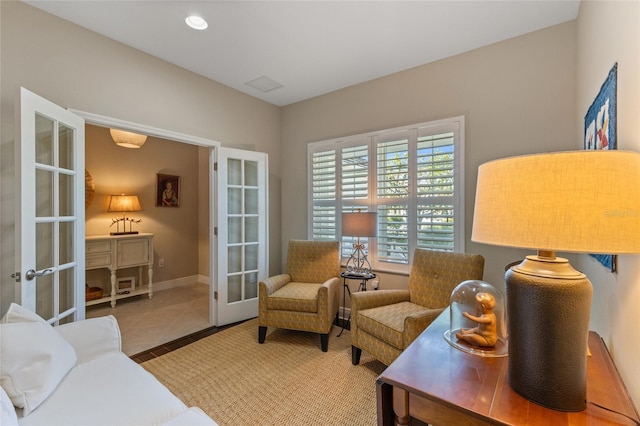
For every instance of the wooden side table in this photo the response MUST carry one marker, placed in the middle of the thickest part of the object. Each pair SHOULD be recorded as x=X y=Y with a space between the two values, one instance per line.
x=116 y=252
x=435 y=383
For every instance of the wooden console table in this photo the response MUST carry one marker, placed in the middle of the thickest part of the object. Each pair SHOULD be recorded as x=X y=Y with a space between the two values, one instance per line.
x=435 y=383
x=115 y=252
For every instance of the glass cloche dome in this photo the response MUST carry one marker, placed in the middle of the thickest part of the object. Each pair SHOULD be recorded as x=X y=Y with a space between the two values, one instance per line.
x=477 y=319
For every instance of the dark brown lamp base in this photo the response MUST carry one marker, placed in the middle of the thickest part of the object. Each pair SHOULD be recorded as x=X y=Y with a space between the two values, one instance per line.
x=548 y=310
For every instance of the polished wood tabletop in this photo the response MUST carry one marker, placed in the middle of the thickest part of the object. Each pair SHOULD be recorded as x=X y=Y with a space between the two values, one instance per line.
x=439 y=384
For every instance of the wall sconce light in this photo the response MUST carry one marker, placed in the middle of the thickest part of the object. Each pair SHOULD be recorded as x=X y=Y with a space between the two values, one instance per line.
x=123 y=204
x=127 y=139
x=577 y=201
x=359 y=225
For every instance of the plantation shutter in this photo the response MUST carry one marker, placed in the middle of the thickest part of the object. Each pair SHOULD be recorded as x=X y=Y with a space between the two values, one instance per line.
x=393 y=197
x=435 y=190
x=355 y=183
x=324 y=195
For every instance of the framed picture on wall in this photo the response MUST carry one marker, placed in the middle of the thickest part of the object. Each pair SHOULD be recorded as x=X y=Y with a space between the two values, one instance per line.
x=600 y=132
x=168 y=191
x=600 y=121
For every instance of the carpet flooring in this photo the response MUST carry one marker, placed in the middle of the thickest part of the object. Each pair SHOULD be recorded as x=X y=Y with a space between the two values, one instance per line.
x=287 y=380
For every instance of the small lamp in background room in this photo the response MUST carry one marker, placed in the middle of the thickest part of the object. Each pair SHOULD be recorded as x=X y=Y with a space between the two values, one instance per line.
x=577 y=201
x=359 y=225
x=127 y=139
x=123 y=204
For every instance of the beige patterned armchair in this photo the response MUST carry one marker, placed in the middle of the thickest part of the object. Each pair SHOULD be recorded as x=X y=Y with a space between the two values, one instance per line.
x=385 y=322
x=306 y=298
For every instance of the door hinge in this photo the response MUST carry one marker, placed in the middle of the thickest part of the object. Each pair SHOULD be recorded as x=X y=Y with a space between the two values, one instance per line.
x=215 y=231
x=16 y=276
x=215 y=166
x=215 y=295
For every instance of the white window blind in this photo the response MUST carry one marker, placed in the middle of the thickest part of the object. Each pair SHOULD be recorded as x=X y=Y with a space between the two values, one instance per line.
x=323 y=180
x=411 y=176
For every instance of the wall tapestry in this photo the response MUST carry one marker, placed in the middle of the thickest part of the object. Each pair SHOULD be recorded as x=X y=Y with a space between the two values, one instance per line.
x=600 y=132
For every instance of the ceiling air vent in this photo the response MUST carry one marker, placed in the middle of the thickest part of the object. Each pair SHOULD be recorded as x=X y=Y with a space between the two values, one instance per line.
x=264 y=84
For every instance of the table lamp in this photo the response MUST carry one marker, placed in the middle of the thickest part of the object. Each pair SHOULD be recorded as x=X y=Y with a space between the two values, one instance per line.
x=359 y=224
x=577 y=201
x=123 y=204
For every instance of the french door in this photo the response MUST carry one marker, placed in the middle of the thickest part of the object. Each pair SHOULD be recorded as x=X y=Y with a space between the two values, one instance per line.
x=242 y=233
x=50 y=215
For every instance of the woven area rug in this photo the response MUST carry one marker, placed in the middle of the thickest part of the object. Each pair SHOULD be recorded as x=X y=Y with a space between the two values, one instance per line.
x=287 y=380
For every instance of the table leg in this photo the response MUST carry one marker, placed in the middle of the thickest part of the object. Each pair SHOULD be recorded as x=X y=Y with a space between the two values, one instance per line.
x=401 y=406
x=384 y=400
x=363 y=285
x=345 y=289
x=113 y=288
x=150 y=280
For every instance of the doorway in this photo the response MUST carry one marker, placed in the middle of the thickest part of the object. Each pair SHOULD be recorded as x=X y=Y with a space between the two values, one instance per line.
x=233 y=203
x=199 y=152
x=180 y=303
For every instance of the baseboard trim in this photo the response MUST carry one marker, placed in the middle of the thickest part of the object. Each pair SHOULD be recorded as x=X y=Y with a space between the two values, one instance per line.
x=179 y=282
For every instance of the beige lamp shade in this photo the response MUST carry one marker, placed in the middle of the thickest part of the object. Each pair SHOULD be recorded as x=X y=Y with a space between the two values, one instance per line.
x=127 y=139
x=124 y=203
x=576 y=201
x=359 y=224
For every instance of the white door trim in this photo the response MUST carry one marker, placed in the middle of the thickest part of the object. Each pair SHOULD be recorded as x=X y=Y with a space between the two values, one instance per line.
x=104 y=121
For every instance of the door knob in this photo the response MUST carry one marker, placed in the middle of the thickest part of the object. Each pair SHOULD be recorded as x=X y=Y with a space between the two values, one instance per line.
x=31 y=274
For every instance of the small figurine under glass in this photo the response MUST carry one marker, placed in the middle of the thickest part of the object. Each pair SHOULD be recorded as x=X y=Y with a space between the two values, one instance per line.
x=477 y=320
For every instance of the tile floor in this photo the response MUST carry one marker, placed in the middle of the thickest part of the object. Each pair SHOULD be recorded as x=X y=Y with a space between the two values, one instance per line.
x=147 y=323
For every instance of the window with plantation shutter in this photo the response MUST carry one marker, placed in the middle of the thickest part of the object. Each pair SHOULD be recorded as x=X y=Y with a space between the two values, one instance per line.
x=392 y=195
x=323 y=192
x=412 y=177
x=435 y=191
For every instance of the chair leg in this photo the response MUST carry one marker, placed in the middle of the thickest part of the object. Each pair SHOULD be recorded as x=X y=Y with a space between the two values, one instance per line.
x=262 y=333
x=324 y=342
x=355 y=355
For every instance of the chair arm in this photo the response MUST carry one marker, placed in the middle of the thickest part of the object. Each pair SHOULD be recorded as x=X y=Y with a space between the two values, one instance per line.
x=266 y=288
x=92 y=337
x=415 y=324
x=272 y=284
x=373 y=299
x=329 y=299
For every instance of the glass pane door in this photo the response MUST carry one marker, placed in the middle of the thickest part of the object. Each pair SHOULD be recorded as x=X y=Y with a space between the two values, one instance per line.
x=242 y=234
x=51 y=160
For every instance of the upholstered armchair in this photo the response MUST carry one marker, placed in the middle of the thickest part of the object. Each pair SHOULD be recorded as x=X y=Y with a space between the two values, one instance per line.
x=306 y=298
x=385 y=322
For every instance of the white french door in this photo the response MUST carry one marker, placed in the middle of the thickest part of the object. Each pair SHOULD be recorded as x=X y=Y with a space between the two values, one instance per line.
x=50 y=214
x=242 y=178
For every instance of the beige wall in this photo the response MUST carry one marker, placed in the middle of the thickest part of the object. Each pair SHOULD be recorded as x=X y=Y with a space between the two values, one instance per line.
x=517 y=96
x=82 y=70
x=609 y=32
x=176 y=230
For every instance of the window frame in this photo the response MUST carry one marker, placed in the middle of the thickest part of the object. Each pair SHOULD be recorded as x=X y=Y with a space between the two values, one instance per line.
x=455 y=125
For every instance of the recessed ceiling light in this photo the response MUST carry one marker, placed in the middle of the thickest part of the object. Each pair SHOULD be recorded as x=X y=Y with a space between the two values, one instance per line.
x=196 y=22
